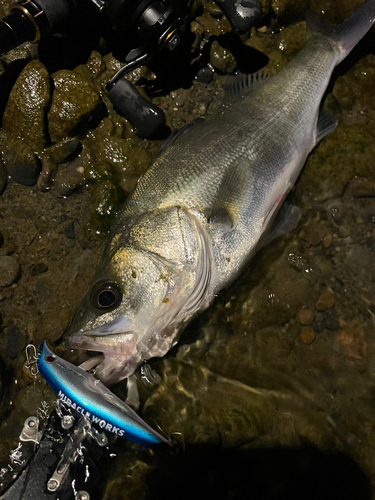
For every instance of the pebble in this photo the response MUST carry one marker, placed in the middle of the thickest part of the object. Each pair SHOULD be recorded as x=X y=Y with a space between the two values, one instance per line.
x=307 y=335
x=331 y=320
x=305 y=316
x=326 y=300
x=68 y=180
x=205 y=75
x=38 y=269
x=327 y=240
x=9 y=270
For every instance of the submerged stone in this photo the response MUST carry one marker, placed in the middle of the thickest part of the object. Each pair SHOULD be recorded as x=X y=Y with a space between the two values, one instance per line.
x=9 y=270
x=24 y=115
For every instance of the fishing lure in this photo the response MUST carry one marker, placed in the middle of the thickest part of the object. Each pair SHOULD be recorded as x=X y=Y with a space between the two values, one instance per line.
x=82 y=392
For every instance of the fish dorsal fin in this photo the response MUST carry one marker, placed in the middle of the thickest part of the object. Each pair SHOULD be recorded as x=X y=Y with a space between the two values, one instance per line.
x=229 y=200
x=236 y=86
x=178 y=133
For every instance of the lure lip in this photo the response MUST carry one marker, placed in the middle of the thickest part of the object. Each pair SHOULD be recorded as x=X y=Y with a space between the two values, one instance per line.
x=84 y=393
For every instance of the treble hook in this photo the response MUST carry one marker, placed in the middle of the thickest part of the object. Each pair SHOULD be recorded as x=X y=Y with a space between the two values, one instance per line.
x=32 y=359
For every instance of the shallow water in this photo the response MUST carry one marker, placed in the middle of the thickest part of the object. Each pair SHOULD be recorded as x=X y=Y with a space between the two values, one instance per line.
x=279 y=372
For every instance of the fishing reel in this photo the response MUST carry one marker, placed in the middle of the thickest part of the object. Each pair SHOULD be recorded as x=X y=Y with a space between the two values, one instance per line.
x=150 y=24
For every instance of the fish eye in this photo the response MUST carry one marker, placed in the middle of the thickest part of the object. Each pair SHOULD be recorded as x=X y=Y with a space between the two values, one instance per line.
x=50 y=358
x=105 y=295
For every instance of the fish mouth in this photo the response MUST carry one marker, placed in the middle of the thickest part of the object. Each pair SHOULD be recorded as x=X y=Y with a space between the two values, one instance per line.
x=117 y=356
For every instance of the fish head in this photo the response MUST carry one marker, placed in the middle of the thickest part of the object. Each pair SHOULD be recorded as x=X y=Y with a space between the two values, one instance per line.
x=150 y=282
x=119 y=315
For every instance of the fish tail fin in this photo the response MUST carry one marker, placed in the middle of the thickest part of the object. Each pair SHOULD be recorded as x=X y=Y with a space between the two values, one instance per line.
x=346 y=35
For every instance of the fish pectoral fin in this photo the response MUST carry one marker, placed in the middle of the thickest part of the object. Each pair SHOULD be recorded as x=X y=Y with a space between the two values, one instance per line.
x=231 y=196
x=327 y=122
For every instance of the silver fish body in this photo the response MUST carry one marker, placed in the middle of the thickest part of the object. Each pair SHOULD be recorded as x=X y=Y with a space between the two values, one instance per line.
x=199 y=213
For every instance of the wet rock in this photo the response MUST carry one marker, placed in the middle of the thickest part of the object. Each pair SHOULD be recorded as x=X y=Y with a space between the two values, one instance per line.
x=352 y=339
x=307 y=335
x=222 y=59
x=51 y=157
x=24 y=115
x=204 y=75
x=326 y=300
x=213 y=26
x=15 y=341
x=69 y=179
x=20 y=161
x=9 y=270
x=76 y=105
x=305 y=317
x=38 y=269
x=3 y=177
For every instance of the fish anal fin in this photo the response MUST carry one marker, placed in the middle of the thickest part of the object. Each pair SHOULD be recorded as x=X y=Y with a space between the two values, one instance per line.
x=286 y=220
x=327 y=122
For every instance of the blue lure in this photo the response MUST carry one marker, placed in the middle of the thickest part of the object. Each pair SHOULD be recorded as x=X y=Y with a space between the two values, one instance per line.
x=89 y=397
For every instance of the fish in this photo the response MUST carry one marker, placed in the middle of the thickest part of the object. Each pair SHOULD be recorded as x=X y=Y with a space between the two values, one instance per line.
x=81 y=391
x=205 y=204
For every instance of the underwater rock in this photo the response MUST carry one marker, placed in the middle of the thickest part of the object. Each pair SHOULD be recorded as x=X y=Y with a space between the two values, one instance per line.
x=15 y=341
x=305 y=317
x=24 y=115
x=69 y=230
x=331 y=320
x=76 y=105
x=307 y=335
x=38 y=269
x=222 y=59
x=21 y=163
x=352 y=339
x=325 y=301
x=9 y=270
x=3 y=177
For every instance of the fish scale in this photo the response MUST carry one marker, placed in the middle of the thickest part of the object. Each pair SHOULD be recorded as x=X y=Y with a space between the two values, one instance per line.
x=203 y=207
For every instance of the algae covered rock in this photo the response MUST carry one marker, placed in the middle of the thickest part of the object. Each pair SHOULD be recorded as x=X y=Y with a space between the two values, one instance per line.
x=76 y=105
x=24 y=115
x=20 y=160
